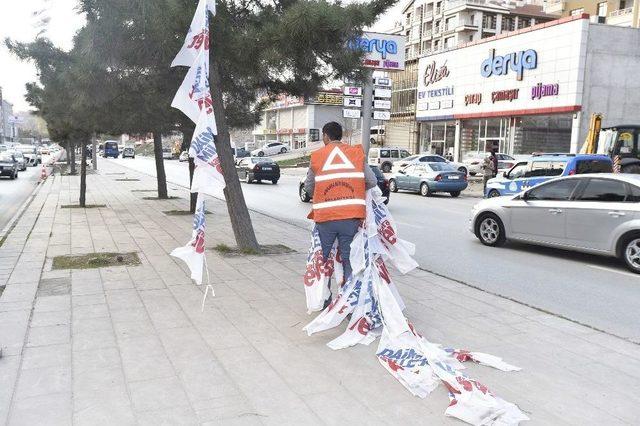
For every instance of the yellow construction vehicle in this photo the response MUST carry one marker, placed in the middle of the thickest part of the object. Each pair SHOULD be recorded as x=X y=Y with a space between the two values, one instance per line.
x=621 y=143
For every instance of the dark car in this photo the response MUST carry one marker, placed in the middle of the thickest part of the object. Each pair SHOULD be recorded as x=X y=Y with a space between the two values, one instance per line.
x=252 y=169
x=8 y=165
x=241 y=152
x=383 y=184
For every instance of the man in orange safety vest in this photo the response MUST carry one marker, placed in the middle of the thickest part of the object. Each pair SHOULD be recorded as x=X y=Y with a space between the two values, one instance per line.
x=338 y=178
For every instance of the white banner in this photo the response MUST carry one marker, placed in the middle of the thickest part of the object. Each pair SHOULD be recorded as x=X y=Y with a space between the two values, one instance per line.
x=197 y=38
x=194 y=94
x=207 y=177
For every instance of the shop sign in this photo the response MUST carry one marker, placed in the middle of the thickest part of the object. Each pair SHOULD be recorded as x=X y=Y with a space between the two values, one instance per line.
x=326 y=98
x=381 y=51
x=435 y=93
x=285 y=131
x=382 y=82
x=352 y=91
x=516 y=61
x=434 y=73
x=352 y=102
x=301 y=130
x=447 y=104
x=473 y=99
x=504 y=95
x=269 y=131
x=381 y=93
x=434 y=105
x=541 y=90
x=381 y=115
x=350 y=113
x=381 y=104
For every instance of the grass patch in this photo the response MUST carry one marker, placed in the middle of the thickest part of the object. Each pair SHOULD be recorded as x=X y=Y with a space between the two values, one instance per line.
x=144 y=190
x=181 y=212
x=115 y=173
x=265 y=250
x=95 y=260
x=295 y=162
x=171 y=197
x=2 y=240
x=128 y=180
x=77 y=206
x=1 y=289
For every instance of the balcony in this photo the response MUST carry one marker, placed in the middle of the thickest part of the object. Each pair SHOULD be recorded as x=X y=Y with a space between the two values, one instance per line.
x=427 y=34
x=621 y=17
x=428 y=15
x=554 y=7
x=466 y=25
x=463 y=3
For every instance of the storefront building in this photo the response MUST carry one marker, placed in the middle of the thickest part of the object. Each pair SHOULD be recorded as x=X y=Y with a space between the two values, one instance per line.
x=532 y=90
x=297 y=121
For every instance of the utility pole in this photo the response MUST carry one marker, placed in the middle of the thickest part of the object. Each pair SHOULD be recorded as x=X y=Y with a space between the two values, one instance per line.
x=94 y=154
x=367 y=102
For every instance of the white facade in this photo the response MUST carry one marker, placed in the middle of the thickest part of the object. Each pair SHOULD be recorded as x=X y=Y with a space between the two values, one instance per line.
x=531 y=91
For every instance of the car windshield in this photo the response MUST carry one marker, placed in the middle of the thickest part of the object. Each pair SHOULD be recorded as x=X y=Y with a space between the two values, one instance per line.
x=411 y=158
x=5 y=156
x=441 y=167
x=110 y=145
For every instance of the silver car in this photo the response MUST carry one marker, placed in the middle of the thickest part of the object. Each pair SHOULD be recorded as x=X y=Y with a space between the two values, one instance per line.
x=597 y=214
x=22 y=161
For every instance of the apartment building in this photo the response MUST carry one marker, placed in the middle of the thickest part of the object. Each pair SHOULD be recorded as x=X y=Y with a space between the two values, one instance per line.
x=7 y=129
x=622 y=13
x=435 y=26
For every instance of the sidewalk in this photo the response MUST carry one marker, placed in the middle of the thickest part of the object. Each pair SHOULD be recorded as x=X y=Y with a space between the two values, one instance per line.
x=129 y=345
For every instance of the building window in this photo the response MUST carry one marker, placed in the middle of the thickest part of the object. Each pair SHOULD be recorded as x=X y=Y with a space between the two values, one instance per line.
x=449 y=42
x=436 y=45
x=489 y=21
x=577 y=12
x=602 y=9
x=523 y=22
x=508 y=23
x=623 y=4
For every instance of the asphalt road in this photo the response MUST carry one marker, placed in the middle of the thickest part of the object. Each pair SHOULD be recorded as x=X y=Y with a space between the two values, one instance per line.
x=593 y=290
x=13 y=193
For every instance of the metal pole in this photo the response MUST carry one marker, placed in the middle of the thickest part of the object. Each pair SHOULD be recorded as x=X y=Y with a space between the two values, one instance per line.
x=94 y=154
x=367 y=101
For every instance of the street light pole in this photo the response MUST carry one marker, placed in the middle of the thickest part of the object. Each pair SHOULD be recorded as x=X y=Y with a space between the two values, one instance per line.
x=367 y=101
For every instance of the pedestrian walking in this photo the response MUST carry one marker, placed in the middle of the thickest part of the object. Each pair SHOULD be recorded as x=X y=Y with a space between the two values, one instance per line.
x=338 y=178
x=490 y=169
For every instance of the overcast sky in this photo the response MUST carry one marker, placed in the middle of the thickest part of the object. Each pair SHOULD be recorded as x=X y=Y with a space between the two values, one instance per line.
x=23 y=20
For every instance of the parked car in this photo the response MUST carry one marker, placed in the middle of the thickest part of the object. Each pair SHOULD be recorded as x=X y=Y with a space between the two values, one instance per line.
x=8 y=165
x=3 y=147
x=596 y=213
x=184 y=156
x=427 y=158
x=543 y=167
x=385 y=157
x=253 y=169
x=473 y=161
x=167 y=154
x=43 y=150
x=128 y=151
x=30 y=154
x=240 y=152
x=428 y=178
x=111 y=149
x=270 y=149
x=22 y=162
x=383 y=184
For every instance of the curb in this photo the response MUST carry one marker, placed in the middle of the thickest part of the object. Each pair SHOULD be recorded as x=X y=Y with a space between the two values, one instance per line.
x=4 y=233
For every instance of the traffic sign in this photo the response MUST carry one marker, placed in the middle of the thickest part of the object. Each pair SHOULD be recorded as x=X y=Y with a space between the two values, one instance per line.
x=382 y=115
x=381 y=93
x=382 y=81
x=352 y=102
x=350 y=113
x=352 y=91
x=381 y=104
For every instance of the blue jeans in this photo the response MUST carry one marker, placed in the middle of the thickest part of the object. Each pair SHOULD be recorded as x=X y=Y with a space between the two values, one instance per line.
x=343 y=231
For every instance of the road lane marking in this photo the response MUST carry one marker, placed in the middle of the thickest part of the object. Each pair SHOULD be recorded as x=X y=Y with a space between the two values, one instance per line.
x=604 y=268
x=408 y=224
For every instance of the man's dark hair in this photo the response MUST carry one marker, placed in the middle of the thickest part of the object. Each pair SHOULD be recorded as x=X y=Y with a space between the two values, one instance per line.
x=333 y=130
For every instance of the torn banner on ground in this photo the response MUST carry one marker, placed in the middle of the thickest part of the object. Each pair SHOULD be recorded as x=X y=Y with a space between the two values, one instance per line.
x=376 y=310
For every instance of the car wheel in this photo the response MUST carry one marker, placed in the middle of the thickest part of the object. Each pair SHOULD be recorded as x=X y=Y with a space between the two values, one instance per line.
x=386 y=167
x=260 y=154
x=493 y=193
x=274 y=181
x=462 y=170
x=13 y=176
x=424 y=189
x=304 y=197
x=283 y=150
x=455 y=194
x=490 y=230
x=393 y=186
x=630 y=252
x=632 y=168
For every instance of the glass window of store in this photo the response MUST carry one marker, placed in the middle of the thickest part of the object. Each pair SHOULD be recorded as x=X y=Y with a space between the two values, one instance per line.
x=541 y=133
x=438 y=137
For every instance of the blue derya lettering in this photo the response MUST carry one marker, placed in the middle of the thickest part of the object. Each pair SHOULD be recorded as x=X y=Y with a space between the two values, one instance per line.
x=515 y=61
x=382 y=46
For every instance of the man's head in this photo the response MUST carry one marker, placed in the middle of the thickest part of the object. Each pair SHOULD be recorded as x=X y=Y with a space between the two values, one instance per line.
x=331 y=132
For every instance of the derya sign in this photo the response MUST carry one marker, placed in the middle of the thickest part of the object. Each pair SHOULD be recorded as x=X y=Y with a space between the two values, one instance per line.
x=381 y=51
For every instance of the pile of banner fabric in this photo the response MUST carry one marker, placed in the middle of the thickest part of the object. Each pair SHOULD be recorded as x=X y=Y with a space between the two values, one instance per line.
x=376 y=310
x=194 y=100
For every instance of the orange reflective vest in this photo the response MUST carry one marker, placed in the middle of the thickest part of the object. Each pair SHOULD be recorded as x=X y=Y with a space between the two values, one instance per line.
x=339 y=183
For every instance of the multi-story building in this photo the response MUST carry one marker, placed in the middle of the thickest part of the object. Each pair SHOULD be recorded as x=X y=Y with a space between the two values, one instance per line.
x=7 y=128
x=435 y=26
x=623 y=13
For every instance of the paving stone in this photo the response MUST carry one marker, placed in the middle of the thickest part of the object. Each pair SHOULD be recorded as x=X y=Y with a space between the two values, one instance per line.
x=49 y=335
x=158 y=394
x=41 y=319
x=172 y=416
x=93 y=340
x=90 y=311
x=57 y=356
x=52 y=303
x=43 y=381
x=45 y=410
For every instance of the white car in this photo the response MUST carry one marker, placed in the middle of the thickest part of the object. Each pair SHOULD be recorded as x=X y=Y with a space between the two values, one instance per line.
x=167 y=154
x=22 y=161
x=270 y=149
x=473 y=162
x=427 y=158
x=593 y=213
x=184 y=156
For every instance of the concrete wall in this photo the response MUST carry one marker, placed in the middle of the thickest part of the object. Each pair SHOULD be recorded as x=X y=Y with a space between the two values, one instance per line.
x=611 y=82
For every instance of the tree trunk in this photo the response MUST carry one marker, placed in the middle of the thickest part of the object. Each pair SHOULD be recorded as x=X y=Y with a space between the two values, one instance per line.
x=73 y=158
x=68 y=155
x=83 y=174
x=160 y=174
x=236 y=205
x=187 y=135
